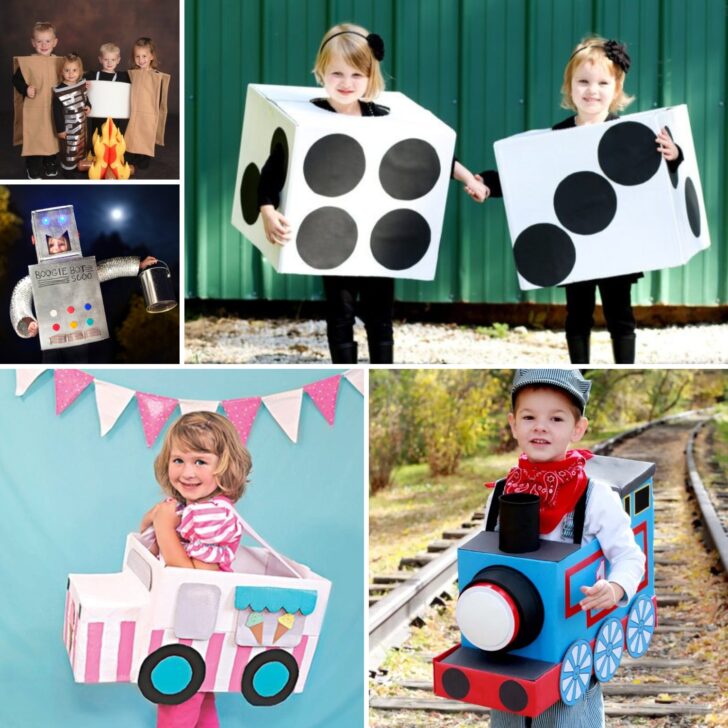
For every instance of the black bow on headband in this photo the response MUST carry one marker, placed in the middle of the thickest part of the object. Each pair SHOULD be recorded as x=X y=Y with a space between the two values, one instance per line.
x=374 y=41
x=613 y=50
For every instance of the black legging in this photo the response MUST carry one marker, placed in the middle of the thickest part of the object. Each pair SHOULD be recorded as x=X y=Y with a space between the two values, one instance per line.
x=616 y=302
x=376 y=301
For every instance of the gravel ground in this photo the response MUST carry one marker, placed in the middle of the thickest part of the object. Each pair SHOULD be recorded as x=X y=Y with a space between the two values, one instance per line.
x=285 y=341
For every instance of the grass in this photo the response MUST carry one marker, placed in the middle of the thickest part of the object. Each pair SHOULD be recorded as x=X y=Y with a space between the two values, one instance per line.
x=406 y=517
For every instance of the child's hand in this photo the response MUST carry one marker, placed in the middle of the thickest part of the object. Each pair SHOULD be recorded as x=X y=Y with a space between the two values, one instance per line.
x=33 y=328
x=479 y=179
x=30 y=92
x=149 y=260
x=87 y=109
x=277 y=229
x=62 y=135
x=603 y=595
x=165 y=514
x=666 y=146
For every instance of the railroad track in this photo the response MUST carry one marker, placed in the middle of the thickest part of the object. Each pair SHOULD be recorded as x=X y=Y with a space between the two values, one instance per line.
x=405 y=599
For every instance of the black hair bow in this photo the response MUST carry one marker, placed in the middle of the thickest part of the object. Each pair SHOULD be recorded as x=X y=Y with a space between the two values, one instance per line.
x=617 y=53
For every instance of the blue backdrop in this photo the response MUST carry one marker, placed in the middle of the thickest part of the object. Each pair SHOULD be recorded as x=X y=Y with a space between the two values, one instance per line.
x=69 y=497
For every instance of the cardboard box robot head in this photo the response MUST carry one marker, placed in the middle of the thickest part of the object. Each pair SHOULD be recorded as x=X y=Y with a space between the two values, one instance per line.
x=365 y=196
x=55 y=233
x=598 y=200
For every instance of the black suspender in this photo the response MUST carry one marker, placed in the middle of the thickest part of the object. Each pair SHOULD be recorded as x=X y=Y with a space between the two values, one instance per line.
x=579 y=511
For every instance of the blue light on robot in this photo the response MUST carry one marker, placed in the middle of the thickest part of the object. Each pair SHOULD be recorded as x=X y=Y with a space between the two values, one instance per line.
x=46 y=220
x=62 y=219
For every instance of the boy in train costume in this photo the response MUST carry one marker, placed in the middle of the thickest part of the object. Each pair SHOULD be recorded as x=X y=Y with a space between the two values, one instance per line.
x=593 y=571
x=64 y=289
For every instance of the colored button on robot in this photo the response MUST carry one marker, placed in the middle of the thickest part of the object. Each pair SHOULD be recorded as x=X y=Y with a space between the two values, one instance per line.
x=70 y=309
x=53 y=313
x=90 y=321
x=87 y=306
x=56 y=327
x=74 y=324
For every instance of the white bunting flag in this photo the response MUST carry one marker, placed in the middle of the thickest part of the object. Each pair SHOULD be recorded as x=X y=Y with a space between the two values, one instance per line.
x=356 y=377
x=111 y=401
x=285 y=407
x=24 y=378
x=198 y=405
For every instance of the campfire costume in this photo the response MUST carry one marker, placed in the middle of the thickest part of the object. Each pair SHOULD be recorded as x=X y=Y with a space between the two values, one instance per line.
x=118 y=77
x=574 y=509
x=149 y=91
x=33 y=123
x=69 y=115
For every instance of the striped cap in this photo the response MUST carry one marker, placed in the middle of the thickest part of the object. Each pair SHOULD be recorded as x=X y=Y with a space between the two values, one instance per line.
x=568 y=380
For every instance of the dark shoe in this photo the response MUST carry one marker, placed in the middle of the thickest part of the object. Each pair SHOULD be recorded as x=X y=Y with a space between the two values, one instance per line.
x=32 y=174
x=50 y=166
x=381 y=352
x=143 y=161
x=623 y=348
x=343 y=353
x=578 y=349
x=34 y=167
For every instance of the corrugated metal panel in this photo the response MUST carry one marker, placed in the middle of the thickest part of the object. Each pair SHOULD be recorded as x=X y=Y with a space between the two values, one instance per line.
x=489 y=68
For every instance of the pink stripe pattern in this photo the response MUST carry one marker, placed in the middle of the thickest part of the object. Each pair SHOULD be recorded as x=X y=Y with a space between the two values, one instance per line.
x=242 y=657
x=212 y=659
x=94 y=639
x=155 y=640
x=300 y=650
x=126 y=647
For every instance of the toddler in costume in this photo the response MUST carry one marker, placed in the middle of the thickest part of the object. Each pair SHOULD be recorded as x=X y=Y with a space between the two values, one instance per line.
x=109 y=59
x=148 y=114
x=34 y=78
x=547 y=414
x=70 y=109
x=593 y=87
x=348 y=67
x=203 y=468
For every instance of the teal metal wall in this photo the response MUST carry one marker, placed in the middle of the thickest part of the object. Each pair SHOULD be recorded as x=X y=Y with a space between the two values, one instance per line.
x=488 y=68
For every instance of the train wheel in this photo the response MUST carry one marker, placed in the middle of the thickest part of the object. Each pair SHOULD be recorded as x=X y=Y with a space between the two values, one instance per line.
x=576 y=671
x=269 y=678
x=641 y=624
x=171 y=674
x=608 y=649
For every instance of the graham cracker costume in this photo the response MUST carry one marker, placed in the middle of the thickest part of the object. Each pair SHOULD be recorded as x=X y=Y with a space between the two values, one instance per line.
x=149 y=90
x=33 y=121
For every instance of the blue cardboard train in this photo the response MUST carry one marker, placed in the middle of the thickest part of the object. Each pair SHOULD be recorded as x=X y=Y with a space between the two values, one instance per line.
x=537 y=646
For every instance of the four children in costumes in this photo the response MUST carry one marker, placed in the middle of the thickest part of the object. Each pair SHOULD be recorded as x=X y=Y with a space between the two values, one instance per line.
x=43 y=114
x=593 y=87
x=348 y=67
x=203 y=469
x=547 y=415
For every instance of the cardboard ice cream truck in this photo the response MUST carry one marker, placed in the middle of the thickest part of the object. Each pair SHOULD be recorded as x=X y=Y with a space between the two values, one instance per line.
x=365 y=196
x=599 y=200
x=177 y=631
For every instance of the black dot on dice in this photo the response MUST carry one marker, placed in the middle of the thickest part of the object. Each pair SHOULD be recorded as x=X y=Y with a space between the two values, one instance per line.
x=400 y=239
x=334 y=165
x=628 y=153
x=674 y=176
x=409 y=169
x=693 y=207
x=326 y=237
x=249 y=193
x=279 y=149
x=585 y=203
x=544 y=254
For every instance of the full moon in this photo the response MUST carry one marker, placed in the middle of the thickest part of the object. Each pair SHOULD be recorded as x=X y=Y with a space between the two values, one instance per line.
x=117 y=213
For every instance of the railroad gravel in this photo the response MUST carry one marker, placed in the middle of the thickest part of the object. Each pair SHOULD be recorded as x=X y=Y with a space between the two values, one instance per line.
x=285 y=341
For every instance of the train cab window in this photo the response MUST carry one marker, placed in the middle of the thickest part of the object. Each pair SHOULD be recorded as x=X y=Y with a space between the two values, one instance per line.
x=641 y=499
x=196 y=611
x=628 y=504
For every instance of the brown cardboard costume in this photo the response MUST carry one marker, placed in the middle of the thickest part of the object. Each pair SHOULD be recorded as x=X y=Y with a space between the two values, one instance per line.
x=33 y=123
x=148 y=103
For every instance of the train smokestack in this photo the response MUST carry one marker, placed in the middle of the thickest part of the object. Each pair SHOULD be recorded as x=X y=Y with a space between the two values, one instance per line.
x=519 y=523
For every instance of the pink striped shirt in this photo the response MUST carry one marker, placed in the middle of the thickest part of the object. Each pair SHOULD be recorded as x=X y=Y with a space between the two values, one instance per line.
x=211 y=531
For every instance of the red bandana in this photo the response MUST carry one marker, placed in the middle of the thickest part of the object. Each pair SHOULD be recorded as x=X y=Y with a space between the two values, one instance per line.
x=559 y=484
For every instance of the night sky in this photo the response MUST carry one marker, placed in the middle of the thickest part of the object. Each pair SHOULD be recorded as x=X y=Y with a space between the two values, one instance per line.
x=113 y=220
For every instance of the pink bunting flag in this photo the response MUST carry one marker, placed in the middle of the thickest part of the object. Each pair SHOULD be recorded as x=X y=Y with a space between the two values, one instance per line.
x=324 y=393
x=241 y=413
x=155 y=411
x=69 y=384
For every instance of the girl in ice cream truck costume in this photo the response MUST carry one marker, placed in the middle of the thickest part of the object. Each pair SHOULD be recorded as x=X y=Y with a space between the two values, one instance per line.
x=593 y=87
x=348 y=67
x=203 y=469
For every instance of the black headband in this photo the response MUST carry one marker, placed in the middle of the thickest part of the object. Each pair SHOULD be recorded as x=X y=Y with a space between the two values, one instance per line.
x=613 y=50
x=374 y=41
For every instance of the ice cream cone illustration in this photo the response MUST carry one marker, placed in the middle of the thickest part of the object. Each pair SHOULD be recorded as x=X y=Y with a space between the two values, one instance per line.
x=285 y=622
x=255 y=625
